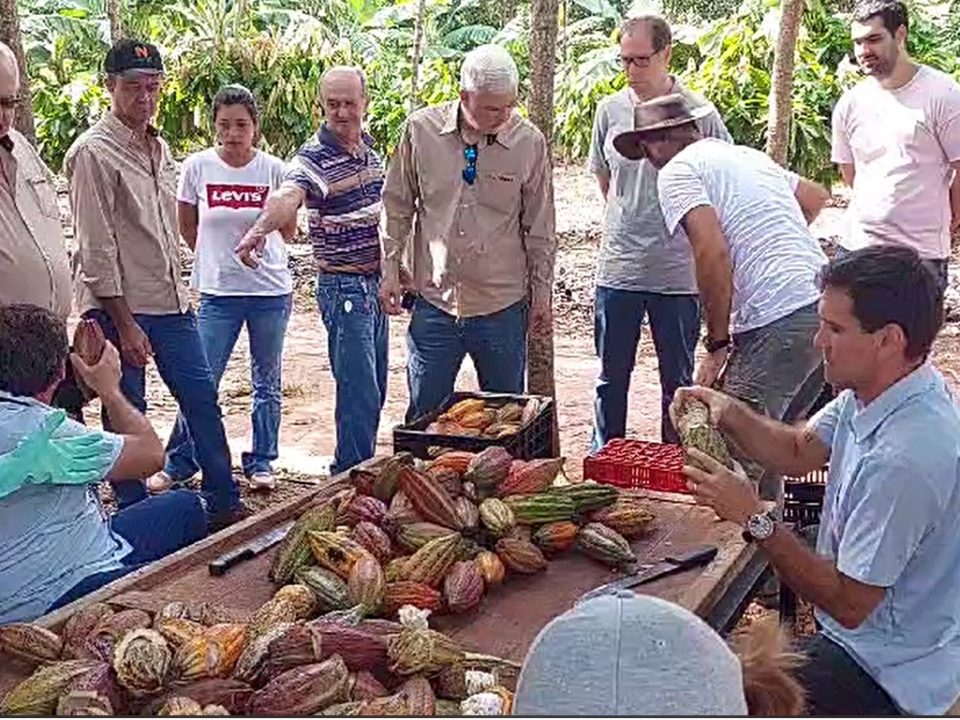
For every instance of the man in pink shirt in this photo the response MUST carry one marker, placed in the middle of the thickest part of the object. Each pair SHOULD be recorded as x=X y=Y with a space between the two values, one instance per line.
x=896 y=139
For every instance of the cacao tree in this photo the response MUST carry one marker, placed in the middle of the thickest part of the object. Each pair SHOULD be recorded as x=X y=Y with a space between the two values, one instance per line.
x=781 y=81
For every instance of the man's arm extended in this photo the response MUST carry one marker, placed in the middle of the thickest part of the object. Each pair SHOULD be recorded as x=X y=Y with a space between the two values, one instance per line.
x=278 y=213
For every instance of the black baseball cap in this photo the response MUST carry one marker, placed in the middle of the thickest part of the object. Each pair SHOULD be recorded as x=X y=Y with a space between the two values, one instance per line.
x=133 y=56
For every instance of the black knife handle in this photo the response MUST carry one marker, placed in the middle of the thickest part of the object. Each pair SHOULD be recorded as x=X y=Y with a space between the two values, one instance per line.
x=228 y=560
x=698 y=556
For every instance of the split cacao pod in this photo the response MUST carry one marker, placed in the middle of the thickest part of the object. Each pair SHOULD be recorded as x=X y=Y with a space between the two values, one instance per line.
x=142 y=660
x=80 y=626
x=228 y=693
x=696 y=430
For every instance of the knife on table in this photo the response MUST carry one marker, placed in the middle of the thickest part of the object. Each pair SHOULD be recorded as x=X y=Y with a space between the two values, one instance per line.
x=250 y=550
x=668 y=566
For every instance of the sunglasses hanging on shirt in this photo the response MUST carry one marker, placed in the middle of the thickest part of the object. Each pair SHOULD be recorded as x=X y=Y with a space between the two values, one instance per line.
x=470 y=170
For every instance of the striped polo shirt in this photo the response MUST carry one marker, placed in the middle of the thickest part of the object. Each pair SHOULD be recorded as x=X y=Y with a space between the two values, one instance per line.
x=343 y=201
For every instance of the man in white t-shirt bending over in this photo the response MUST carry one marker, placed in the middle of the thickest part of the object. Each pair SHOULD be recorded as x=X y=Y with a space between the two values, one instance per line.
x=896 y=140
x=756 y=262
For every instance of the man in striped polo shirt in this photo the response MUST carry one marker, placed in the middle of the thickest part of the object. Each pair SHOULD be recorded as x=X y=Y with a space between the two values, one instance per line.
x=339 y=176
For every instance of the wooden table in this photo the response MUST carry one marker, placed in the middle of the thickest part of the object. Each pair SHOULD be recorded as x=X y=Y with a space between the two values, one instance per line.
x=510 y=616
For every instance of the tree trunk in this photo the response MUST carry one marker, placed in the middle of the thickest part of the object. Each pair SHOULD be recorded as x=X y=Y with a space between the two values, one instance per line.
x=10 y=34
x=781 y=81
x=116 y=24
x=543 y=56
x=417 y=52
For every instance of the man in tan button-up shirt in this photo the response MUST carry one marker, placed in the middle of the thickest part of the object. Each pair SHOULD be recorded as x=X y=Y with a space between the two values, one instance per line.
x=472 y=180
x=123 y=191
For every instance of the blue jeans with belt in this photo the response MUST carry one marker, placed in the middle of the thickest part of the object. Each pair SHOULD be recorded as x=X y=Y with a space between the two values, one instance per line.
x=220 y=319
x=183 y=367
x=437 y=342
x=357 y=337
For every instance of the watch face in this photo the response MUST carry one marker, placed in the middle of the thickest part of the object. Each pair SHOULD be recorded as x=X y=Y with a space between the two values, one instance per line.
x=760 y=526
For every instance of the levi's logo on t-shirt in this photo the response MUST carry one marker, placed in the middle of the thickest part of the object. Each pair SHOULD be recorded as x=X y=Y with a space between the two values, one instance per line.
x=237 y=196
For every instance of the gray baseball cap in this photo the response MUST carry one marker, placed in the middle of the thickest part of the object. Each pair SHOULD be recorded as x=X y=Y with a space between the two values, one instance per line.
x=626 y=654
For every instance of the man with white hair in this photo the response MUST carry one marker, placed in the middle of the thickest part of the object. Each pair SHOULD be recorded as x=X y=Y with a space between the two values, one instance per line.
x=339 y=176
x=471 y=179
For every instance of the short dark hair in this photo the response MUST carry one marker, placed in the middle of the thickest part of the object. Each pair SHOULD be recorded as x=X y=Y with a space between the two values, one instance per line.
x=890 y=285
x=892 y=12
x=236 y=95
x=33 y=349
x=659 y=29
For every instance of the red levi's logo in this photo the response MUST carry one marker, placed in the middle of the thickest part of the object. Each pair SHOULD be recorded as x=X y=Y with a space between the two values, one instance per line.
x=237 y=197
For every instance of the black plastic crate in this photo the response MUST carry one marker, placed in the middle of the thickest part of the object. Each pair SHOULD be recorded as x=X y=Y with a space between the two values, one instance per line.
x=803 y=498
x=534 y=440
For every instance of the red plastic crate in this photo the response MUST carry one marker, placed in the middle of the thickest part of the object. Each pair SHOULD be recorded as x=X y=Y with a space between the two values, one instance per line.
x=638 y=464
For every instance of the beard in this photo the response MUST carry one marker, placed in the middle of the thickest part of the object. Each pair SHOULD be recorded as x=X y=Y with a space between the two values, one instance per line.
x=882 y=65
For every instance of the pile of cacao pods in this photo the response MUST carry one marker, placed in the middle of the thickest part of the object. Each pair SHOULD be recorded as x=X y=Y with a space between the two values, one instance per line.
x=473 y=417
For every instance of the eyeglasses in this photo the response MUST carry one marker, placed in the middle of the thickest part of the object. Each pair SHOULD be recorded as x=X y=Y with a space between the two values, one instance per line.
x=10 y=103
x=638 y=60
x=470 y=171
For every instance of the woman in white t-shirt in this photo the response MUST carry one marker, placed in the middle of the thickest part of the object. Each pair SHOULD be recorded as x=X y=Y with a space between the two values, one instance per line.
x=222 y=191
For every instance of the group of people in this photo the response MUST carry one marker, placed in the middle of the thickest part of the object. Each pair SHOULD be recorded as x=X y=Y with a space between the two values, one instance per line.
x=459 y=229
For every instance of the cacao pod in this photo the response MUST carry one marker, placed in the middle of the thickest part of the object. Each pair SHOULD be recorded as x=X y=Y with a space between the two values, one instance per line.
x=255 y=650
x=430 y=563
x=387 y=478
x=366 y=584
x=299 y=644
x=374 y=540
x=209 y=614
x=429 y=499
x=520 y=556
x=414 y=536
x=94 y=692
x=452 y=682
x=416 y=651
x=447 y=708
x=360 y=650
x=80 y=626
x=531 y=477
x=179 y=706
x=330 y=591
x=491 y=567
x=38 y=694
x=541 y=508
x=456 y=460
x=347 y=709
x=231 y=694
x=271 y=613
x=589 y=496
x=109 y=631
x=304 y=690
x=214 y=653
x=605 y=545
x=294 y=552
x=142 y=660
x=421 y=700
x=215 y=711
x=463 y=587
x=300 y=596
x=175 y=609
x=29 y=642
x=629 y=517
x=364 y=686
x=470 y=493
x=468 y=513
x=336 y=552
x=497 y=516
x=556 y=537
x=405 y=592
x=363 y=508
x=390 y=706
x=488 y=469
x=177 y=631
x=696 y=430
x=401 y=511
x=380 y=626
x=394 y=569
x=448 y=479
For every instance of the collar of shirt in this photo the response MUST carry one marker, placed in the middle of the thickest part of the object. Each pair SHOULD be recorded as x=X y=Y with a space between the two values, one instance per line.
x=118 y=128
x=506 y=136
x=867 y=419
x=326 y=137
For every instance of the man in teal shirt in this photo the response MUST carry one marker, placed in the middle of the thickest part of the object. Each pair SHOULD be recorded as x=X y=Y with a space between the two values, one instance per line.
x=885 y=577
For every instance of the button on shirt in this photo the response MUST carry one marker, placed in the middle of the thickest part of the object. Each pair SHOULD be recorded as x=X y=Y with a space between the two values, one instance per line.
x=890 y=520
x=34 y=267
x=636 y=251
x=51 y=536
x=343 y=202
x=125 y=215
x=477 y=248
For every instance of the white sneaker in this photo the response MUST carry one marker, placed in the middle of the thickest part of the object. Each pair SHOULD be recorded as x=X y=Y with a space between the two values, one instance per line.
x=159 y=482
x=263 y=480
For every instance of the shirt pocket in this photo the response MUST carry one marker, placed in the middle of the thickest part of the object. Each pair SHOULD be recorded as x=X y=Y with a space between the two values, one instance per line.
x=500 y=192
x=45 y=195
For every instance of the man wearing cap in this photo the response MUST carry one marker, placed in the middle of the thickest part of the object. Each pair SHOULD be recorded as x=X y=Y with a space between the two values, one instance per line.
x=470 y=184
x=34 y=267
x=123 y=191
x=642 y=270
x=756 y=262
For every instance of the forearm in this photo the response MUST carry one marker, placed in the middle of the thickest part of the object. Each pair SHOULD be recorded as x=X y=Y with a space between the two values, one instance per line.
x=125 y=419
x=119 y=311
x=279 y=211
x=715 y=283
x=785 y=449
x=604 y=182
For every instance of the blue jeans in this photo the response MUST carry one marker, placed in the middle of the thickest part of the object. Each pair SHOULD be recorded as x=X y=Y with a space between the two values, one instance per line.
x=357 y=336
x=155 y=528
x=182 y=364
x=675 y=327
x=219 y=320
x=437 y=343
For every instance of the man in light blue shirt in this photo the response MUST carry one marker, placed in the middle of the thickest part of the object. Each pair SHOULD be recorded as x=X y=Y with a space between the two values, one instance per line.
x=56 y=541
x=885 y=577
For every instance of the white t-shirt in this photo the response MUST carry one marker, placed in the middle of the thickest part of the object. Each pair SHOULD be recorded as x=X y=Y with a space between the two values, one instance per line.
x=228 y=201
x=901 y=143
x=775 y=258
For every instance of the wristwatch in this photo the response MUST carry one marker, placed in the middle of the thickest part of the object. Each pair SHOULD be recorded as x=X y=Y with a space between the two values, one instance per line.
x=759 y=527
x=713 y=345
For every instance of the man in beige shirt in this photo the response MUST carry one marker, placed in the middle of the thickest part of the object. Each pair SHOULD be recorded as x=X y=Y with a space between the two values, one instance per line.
x=34 y=266
x=123 y=191
x=472 y=180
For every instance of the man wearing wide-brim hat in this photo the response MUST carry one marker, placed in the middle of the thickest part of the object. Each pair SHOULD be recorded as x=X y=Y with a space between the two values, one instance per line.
x=756 y=261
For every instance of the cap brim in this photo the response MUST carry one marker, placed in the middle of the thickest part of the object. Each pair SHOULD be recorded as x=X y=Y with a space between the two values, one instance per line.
x=139 y=71
x=628 y=144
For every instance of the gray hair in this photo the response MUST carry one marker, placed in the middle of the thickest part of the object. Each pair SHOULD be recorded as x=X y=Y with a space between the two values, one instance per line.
x=336 y=69
x=659 y=29
x=489 y=68
x=7 y=56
